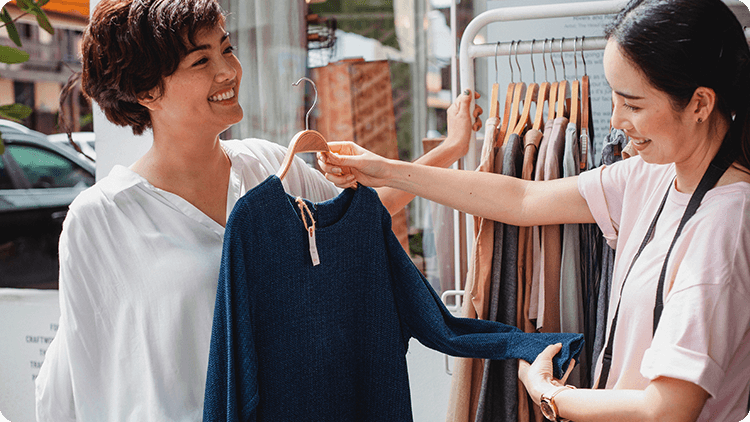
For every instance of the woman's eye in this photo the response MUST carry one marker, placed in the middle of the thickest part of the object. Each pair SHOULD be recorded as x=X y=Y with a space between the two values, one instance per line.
x=630 y=107
x=200 y=62
x=229 y=49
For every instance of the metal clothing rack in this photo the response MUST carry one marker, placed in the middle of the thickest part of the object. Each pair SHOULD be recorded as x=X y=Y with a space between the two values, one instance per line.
x=468 y=51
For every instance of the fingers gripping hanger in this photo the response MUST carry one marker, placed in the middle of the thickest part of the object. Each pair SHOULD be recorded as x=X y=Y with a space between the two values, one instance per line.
x=307 y=140
x=531 y=97
x=517 y=94
x=543 y=96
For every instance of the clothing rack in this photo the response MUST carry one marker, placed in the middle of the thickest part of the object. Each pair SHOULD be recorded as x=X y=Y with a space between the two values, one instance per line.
x=468 y=51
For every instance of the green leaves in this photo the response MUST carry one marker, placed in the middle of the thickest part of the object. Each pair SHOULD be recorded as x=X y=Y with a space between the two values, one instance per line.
x=15 y=111
x=12 y=55
x=35 y=8
x=10 y=27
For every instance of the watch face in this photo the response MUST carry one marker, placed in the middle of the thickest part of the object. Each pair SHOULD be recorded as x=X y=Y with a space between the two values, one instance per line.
x=547 y=410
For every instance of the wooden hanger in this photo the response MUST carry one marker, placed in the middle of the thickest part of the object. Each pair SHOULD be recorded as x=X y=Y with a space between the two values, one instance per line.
x=494 y=102
x=562 y=89
x=585 y=111
x=575 y=88
x=553 y=87
x=532 y=92
x=516 y=105
x=307 y=140
x=544 y=89
x=504 y=124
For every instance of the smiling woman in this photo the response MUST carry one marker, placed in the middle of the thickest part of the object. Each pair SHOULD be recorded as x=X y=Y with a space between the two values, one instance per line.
x=678 y=341
x=140 y=250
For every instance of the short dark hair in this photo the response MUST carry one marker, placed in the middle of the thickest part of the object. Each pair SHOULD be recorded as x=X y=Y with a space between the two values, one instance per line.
x=130 y=46
x=681 y=45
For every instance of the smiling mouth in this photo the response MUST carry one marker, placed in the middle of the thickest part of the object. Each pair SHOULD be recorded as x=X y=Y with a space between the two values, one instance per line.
x=222 y=96
x=640 y=142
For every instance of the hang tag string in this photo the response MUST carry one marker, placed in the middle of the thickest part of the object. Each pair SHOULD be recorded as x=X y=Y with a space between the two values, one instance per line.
x=305 y=212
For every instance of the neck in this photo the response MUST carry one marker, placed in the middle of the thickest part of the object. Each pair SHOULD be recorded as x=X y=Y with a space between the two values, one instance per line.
x=691 y=170
x=182 y=158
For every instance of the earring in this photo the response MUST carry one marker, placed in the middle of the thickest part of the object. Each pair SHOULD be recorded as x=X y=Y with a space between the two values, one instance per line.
x=700 y=120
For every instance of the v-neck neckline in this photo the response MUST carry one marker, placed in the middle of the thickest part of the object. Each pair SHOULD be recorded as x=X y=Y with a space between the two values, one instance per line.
x=187 y=208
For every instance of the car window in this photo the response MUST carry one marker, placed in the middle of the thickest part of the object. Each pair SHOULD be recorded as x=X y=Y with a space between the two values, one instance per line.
x=47 y=169
x=5 y=182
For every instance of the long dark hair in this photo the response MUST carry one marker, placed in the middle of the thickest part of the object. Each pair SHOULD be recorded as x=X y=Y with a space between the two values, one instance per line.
x=681 y=45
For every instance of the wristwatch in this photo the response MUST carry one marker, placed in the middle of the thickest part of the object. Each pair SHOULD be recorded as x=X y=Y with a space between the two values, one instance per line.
x=547 y=404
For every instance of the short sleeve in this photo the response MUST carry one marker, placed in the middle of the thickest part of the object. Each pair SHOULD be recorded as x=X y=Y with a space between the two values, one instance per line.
x=706 y=317
x=591 y=187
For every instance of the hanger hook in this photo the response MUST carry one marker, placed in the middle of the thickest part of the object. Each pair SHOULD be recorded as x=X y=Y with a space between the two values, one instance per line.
x=510 y=49
x=307 y=116
x=533 y=68
x=520 y=74
x=496 y=71
x=551 y=59
x=585 y=72
x=575 y=56
x=562 y=59
x=544 y=61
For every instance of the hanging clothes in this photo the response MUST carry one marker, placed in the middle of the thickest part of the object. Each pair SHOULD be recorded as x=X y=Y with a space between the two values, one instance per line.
x=532 y=141
x=295 y=341
x=614 y=143
x=536 y=242
x=498 y=399
x=551 y=240
x=571 y=298
x=467 y=373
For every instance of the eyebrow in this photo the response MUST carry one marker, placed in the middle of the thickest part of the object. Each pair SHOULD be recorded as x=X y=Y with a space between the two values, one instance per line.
x=628 y=96
x=206 y=46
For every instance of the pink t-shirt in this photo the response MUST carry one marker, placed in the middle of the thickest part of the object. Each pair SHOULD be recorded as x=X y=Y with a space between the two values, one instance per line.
x=704 y=332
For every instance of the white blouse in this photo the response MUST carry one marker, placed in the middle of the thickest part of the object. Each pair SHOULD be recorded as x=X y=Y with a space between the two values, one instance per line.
x=138 y=275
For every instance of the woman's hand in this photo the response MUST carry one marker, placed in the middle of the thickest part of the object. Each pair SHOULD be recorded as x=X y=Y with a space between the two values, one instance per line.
x=460 y=125
x=537 y=377
x=349 y=163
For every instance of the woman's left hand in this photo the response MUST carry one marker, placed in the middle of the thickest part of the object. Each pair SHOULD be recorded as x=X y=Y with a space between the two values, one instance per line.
x=461 y=123
x=537 y=377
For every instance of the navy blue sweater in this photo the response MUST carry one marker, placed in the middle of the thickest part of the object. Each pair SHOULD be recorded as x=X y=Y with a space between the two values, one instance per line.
x=297 y=342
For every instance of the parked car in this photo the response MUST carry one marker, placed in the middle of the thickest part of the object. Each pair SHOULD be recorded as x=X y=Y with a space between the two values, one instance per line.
x=85 y=141
x=38 y=181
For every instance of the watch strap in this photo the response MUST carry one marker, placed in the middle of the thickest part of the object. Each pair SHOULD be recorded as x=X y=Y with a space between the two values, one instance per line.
x=550 y=398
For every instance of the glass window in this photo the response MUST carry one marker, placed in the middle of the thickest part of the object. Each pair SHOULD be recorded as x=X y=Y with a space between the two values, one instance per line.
x=5 y=182
x=47 y=169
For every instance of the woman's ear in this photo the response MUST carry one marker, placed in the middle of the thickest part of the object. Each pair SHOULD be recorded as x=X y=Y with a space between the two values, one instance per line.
x=148 y=99
x=702 y=104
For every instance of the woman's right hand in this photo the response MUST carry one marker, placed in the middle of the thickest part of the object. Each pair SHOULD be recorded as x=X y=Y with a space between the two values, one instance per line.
x=349 y=163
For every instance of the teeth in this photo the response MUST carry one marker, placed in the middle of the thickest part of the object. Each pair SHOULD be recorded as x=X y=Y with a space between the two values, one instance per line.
x=221 y=97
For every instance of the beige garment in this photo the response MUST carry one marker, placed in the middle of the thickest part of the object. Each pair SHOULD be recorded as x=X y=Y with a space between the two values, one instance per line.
x=467 y=373
x=532 y=141
x=551 y=237
x=536 y=253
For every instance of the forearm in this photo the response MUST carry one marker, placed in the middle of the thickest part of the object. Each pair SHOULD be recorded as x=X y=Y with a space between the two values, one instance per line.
x=443 y=156
x=496 y=197
x=604 y=405
x=663 y=400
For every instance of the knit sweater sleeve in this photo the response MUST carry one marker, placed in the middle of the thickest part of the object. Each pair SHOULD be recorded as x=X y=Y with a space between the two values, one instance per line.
x=231 y=383
x=427 y=319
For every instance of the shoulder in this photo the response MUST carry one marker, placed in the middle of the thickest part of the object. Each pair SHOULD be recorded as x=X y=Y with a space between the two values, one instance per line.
x=254 y=147
x=105 y=192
